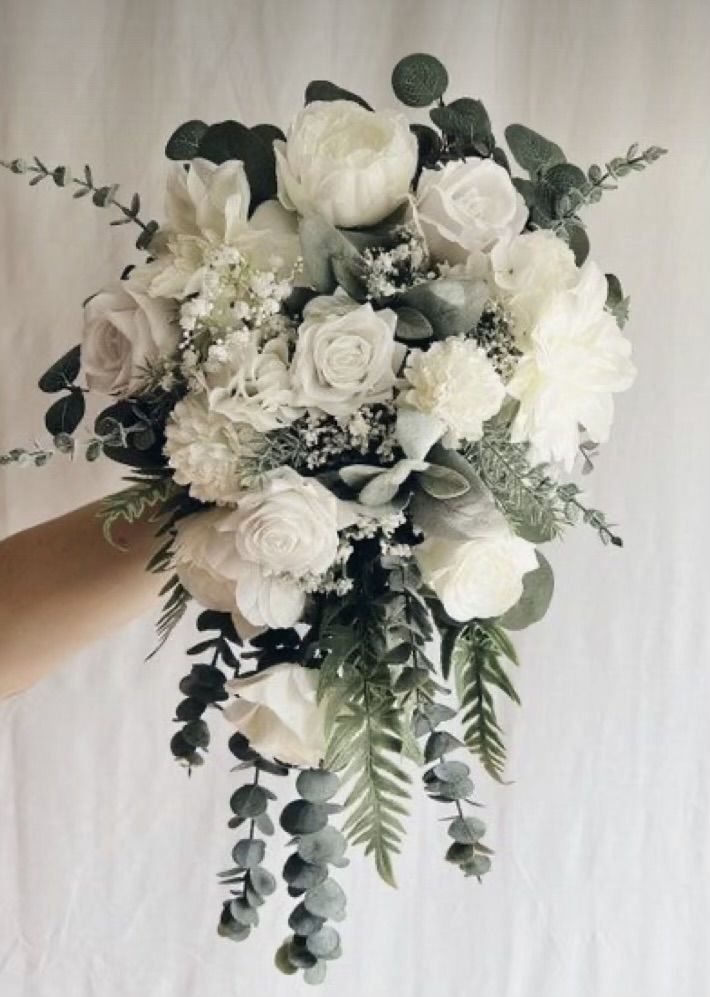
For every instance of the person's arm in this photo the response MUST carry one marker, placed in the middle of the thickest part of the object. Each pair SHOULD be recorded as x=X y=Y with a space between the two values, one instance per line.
x=62 y=586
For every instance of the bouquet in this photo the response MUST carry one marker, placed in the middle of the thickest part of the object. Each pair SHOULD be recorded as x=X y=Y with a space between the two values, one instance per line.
x=352 y=378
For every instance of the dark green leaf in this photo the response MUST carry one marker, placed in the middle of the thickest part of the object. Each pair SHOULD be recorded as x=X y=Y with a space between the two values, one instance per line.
x=62 y=373
x=64 y=415
x=538 y=587
x=419 y=80
x=531 y=151
x=325 y=90
x=185 y=140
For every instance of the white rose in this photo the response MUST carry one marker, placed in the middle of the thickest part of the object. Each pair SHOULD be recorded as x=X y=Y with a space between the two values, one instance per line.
x=478 y=578
x=350 y=165
x=197 y=555
x=206 y=450
x=346 y=355
x=279 y=534
x=455 y=381
x=576 y=359
x=125 y=331
x=278 y=712
x=248 y=382
x=527 y=271
x=466 y=206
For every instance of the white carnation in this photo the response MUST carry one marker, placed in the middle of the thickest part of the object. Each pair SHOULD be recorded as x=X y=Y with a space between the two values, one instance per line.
x=478 y=578
x=346 y=355
x=455 y=381
x=576 y=360
x=528 y=270
x=467 y=205
x=278 y=712
x=206 y=450
x=350 y=165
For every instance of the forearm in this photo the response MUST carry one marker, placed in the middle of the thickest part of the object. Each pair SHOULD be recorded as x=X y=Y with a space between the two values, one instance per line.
x=62 y=586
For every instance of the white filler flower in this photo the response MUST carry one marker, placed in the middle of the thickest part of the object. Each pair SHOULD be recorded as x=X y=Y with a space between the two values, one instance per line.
x=478 y=578
x=206 y=450
x=528 y=270
x=576 y=360
x=350 y=165
x=124 y=332
x=278 y=712
x=285 y=531
x=455 y=381
x=346 y=355
x=467 y=206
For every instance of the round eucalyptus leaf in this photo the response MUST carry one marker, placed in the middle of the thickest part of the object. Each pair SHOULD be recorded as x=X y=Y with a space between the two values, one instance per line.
x=249 y=801
x=322 y=943
x=451 y=771
x=419 y=79
x=190 y=709
x=479 y=865
x=261 y=880
x=327 y=845
x=538 y=586
x=564 y=177
x=62 y=373
x=299 y=954
x=302 y=817
x=440 y=743
x=303 y=922
x=459 y=853
x=466 y=830
x=459 y=790
x=264 y=824
x=243 y=913
x=249 y=853
x=282 y=961
x=196 y=733
x=303 y=875
x=315 y=975
x=326 y=900
x=531 y=150
x=253 y=898
x=317 y=785
x=239 y=746
x=64 y=415
x=233 y=930
x=180 y=747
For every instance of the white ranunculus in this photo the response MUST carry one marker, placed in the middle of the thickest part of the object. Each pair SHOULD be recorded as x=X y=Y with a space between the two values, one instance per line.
x=346 y=355
x=350 y=165
x=125 y=331
x=576 y=360
x=206 y=450
x=285 y=531
x=248 y=382
x=528 y=269
x=455 y=381
x=477 y=578
x=278 y=712
x=467 y=206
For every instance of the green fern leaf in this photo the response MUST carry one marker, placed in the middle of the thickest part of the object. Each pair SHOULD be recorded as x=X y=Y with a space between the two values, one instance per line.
x=132 y=504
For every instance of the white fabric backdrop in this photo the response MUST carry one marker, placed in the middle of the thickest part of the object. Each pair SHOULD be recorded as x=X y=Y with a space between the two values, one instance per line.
x=600 y=885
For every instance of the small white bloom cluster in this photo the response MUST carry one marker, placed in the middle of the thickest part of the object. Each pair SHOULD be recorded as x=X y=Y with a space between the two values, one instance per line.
x=370 y=431
x=388 y=271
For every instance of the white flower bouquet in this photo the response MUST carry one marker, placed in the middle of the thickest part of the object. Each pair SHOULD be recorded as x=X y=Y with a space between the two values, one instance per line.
x=350 y=379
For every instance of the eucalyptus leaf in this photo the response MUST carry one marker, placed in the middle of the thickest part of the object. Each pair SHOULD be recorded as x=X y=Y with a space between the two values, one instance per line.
x=324 y=942
x=249 y=853
x=282 y=961
x=242 y=912
x=303 y=922
x=302 y=817
x=328 y=845
x=65 y=414
x=230 y=140
x=531 y=150
x=315 y=974
x=262 y=881
x=466 y=830
x=325 y=900
x=303 y=875
x=249 y=801
x=317 y=785
x=62 y=373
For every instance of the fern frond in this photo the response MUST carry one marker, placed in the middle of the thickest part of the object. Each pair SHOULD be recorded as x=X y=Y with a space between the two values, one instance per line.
x=365 y=745
x=172 y=612
x=478 y=670
x=134 y=503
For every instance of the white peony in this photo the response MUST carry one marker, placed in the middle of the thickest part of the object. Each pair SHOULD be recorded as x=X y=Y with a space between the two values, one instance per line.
x=346 y=355
x=125 y=331
x=206 y=450
x=247 y=382
x=285 y=531
x=350 y=165
x=527 y=270
x=577 y=358
x=278 y=712
x=478 y=578
x=207 y=206
x=466 y=206
x=455 y=381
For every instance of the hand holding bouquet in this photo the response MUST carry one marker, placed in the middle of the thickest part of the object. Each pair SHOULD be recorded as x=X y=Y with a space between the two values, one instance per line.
x=351 y=378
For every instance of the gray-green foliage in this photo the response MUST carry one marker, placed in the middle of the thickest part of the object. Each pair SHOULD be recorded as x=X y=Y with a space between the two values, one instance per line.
x=318 y=846
x=143 y=496
x=103 y=196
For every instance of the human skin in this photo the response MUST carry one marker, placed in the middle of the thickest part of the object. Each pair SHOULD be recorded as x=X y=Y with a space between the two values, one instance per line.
x=63 y=586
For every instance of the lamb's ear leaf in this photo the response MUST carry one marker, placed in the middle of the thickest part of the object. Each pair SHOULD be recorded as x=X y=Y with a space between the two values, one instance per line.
x=185 y=140
x=325 y=90
x=538 y=586
x=412 y=326
x=417 y=432
x=322 y=246
x=453 y=305
x=443 y=482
